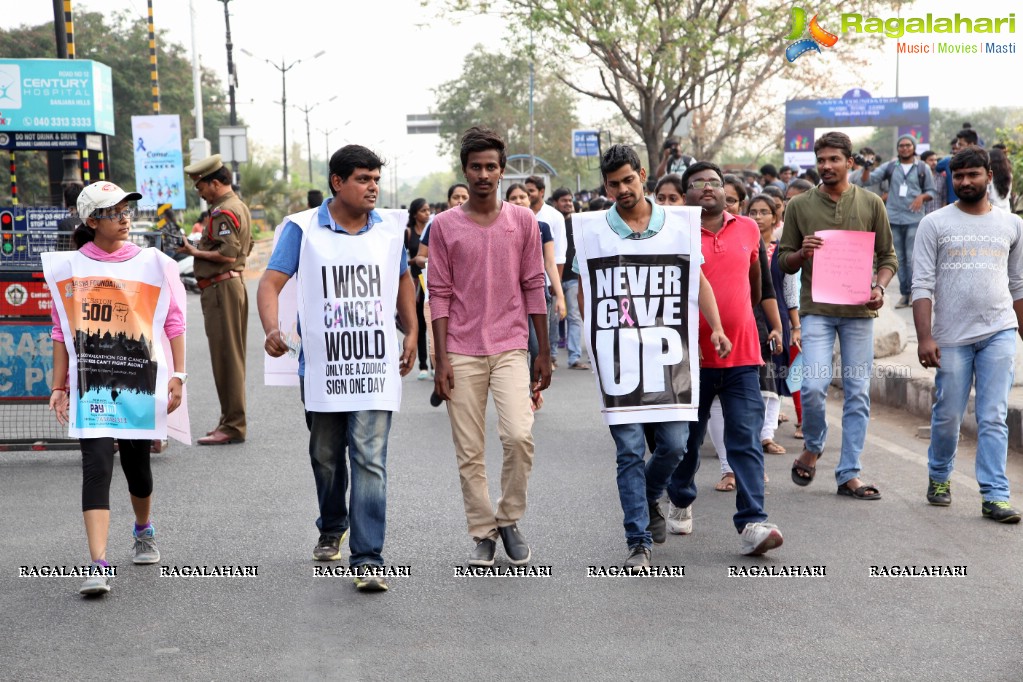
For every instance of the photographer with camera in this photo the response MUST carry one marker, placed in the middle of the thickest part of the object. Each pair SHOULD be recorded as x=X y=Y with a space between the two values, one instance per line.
x=860 y=175
x=672 y=158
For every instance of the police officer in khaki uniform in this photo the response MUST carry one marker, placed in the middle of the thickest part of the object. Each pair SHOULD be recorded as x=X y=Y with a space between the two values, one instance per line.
x=219 y=263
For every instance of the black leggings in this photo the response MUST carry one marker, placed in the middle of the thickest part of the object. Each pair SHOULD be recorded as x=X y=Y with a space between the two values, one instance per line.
x=98 y=469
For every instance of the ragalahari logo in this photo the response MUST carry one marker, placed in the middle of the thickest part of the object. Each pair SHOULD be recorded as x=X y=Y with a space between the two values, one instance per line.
x=818 y=36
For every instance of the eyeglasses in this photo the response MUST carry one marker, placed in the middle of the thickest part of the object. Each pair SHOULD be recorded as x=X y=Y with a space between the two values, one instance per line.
x=128 y=213
x=758 y=214
x=704 y=184
x=731 y=200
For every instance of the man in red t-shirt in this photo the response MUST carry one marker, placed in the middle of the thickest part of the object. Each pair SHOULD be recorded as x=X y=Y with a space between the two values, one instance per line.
x=730 y=263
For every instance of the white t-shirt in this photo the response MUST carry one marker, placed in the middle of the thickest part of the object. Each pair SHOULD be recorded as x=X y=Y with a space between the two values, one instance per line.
x=552 y=216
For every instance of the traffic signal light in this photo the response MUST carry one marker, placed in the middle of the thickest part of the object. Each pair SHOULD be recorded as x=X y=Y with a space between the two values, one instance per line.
x=7 y=227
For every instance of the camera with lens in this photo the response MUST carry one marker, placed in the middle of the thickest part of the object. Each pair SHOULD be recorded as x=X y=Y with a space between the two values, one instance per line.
x=863 y=161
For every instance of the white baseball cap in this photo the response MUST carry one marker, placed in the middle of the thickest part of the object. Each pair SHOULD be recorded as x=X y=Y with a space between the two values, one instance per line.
x=102 y=194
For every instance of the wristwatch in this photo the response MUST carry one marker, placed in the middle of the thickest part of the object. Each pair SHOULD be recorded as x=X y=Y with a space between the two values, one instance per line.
x=875 y=285
x=180 y=375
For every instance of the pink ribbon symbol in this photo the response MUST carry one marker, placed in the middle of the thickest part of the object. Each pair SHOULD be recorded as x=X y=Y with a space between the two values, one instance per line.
x=624 y=304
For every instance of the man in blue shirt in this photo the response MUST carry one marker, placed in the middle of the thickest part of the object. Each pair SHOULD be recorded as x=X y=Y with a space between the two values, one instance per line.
x=353 y=254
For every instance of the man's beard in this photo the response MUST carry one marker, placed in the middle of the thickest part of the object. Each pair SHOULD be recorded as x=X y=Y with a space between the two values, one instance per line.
x=976 y=199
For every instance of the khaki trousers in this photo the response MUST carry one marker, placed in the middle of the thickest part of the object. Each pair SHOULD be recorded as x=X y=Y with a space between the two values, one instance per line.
x=429 y=333
x=225 y=311
x=505 y=376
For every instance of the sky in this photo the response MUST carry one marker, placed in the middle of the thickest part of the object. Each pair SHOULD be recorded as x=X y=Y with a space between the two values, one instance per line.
x=384 y=58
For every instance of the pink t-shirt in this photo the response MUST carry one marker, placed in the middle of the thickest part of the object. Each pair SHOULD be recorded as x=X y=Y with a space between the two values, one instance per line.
x=173 y=327
x=486 y=280
x=727 y=257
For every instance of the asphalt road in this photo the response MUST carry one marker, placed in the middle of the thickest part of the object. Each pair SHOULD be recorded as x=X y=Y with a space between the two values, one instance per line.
x=254 y=504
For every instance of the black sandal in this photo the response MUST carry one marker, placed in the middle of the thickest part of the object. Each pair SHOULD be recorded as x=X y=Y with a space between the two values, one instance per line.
x=797 y=467
x=860 y=493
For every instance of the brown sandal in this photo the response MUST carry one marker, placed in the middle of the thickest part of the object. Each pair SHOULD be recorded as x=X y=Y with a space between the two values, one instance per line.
x=772 y=448
x=726 y=484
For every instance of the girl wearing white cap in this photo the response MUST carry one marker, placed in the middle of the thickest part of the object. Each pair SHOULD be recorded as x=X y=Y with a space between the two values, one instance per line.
x=118 y=363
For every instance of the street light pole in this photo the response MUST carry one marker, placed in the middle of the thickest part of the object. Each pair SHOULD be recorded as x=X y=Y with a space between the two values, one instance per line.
x=326 y=142
x=232 y=76
x=284 y=67
x=308 y=138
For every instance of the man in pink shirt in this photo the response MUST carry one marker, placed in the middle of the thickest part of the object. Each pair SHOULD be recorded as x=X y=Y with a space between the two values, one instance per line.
x=485 y=277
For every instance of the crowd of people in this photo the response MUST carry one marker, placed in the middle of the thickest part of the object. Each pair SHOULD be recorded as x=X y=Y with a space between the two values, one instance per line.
x=487 y=290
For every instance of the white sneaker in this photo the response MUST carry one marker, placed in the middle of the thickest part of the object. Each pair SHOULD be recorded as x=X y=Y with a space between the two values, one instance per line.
x=680 y=519
x=758 y=538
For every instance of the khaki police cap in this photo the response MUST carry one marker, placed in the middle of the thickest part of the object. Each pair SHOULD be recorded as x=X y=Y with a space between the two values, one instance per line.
x=200 y=169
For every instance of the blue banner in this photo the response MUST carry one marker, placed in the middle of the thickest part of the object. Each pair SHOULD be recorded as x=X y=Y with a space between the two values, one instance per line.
x=56 y=95
x=585 y=143
x=26 y=360
x=854 y=112
x=159 y=170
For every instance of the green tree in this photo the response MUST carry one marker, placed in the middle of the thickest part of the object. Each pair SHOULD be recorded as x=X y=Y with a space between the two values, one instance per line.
x=493 y=91
x=714 y=63
x=119 y=40
x=434 y=187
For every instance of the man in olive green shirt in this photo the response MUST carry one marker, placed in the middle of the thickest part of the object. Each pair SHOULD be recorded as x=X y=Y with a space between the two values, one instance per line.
x=836 y=205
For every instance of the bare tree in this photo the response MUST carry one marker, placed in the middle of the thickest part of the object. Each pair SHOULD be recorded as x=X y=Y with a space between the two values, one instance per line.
x=661 y=61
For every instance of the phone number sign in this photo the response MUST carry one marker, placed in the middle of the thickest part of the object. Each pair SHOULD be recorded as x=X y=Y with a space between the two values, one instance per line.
x=56 y=95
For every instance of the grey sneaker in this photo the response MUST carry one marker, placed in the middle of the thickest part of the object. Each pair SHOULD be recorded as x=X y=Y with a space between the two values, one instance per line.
x=758 y=538
x=145 y=551
x=99 y=583
x=328 y=547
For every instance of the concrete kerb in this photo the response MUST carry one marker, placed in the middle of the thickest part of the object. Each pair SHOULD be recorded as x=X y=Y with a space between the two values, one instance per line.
x=901 y=383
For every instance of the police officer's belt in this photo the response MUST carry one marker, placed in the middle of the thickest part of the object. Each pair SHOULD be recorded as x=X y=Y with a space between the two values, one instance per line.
x=209 y=281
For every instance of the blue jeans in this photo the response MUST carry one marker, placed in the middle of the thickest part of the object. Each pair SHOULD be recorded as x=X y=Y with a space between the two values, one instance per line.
x=991 y=361
x=856 y=335
x=738 y=388
x=552 y=327
x=904 y=235
x=641 y=484
x=364 y=434
x=574 y=329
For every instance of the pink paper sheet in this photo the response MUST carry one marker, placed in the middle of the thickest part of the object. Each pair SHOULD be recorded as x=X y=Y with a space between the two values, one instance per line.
x=843 y=267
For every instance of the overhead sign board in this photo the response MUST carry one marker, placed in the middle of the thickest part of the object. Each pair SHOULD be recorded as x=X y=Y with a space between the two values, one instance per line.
x=56 y=95
x=422 y=124
x=585 y=143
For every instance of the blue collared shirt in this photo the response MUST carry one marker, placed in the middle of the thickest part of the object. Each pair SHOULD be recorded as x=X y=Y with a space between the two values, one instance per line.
x=287 y=253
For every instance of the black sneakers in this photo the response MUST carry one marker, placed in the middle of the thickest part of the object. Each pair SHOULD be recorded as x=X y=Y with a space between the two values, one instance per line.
x=939 y=494
x=328 y=547
x=639 y=558
x=483 y=555
x=658 y=527
x=368 y=580
x=514 y=545
x=1001 y=511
